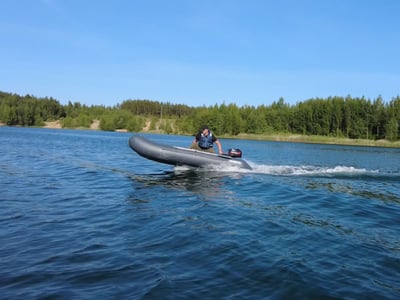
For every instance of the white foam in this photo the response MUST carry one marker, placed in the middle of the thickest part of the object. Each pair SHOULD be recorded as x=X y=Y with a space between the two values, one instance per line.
x=285 y=170
x=183 y=168
x=307 y=170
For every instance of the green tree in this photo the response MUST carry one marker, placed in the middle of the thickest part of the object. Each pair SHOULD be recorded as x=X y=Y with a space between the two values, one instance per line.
x=392 y=128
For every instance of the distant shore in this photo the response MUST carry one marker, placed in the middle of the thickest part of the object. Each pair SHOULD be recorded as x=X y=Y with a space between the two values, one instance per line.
x=314 y=139
x=54 y=125
x=295 y=138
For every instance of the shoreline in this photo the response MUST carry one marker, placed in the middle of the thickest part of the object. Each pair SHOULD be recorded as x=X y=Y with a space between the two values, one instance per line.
x=325 y=140
x=293 y=138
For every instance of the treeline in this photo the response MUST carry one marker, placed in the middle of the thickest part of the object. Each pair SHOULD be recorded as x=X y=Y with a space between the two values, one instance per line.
x=355 y=118
x=32 y=111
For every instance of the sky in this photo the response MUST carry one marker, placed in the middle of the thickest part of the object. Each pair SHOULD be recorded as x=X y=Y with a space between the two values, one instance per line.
x=208 y=52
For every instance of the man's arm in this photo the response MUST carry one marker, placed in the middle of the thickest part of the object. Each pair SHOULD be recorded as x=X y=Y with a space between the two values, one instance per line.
x=219 y=146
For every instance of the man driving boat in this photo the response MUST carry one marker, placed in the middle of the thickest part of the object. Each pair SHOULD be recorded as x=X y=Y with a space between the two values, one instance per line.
x=204 y=141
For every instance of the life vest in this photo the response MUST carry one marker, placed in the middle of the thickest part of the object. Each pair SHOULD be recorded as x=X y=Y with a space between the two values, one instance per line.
x=205 y=142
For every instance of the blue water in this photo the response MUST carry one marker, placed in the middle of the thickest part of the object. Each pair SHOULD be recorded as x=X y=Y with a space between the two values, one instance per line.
x=82 y=216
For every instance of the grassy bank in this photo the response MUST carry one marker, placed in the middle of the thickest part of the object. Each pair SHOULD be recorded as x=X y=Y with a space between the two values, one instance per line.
x=313 y=139
x=295 y=138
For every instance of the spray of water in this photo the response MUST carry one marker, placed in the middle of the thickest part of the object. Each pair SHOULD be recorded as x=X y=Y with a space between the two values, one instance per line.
x=308 y=170
x=288 y=170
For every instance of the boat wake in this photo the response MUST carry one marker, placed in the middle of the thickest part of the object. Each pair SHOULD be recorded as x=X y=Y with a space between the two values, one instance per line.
x=286 y=170
x=291 y=170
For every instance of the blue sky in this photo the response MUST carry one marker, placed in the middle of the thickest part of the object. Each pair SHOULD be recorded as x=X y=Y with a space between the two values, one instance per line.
x=249 y=52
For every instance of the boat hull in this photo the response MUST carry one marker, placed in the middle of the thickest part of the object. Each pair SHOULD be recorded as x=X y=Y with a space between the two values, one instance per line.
x=179 y=156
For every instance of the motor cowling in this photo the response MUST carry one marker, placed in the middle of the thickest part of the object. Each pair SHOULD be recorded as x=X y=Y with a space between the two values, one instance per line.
x=235 y=153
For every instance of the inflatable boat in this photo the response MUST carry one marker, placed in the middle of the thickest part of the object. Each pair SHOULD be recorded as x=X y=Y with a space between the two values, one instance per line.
x=180 y=156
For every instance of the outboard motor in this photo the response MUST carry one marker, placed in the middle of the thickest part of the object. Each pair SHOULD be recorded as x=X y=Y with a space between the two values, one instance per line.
x=235 y=153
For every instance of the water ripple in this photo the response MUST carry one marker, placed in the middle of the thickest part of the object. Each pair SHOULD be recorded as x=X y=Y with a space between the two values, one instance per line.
x=84 y=217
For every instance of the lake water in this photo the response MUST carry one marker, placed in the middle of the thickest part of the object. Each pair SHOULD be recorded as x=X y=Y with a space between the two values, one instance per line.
x=82 y=216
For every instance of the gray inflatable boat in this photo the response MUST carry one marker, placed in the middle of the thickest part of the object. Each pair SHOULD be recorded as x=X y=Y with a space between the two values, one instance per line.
x=180 y=156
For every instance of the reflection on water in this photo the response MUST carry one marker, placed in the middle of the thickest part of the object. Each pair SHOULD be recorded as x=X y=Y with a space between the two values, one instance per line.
x=198 y=181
